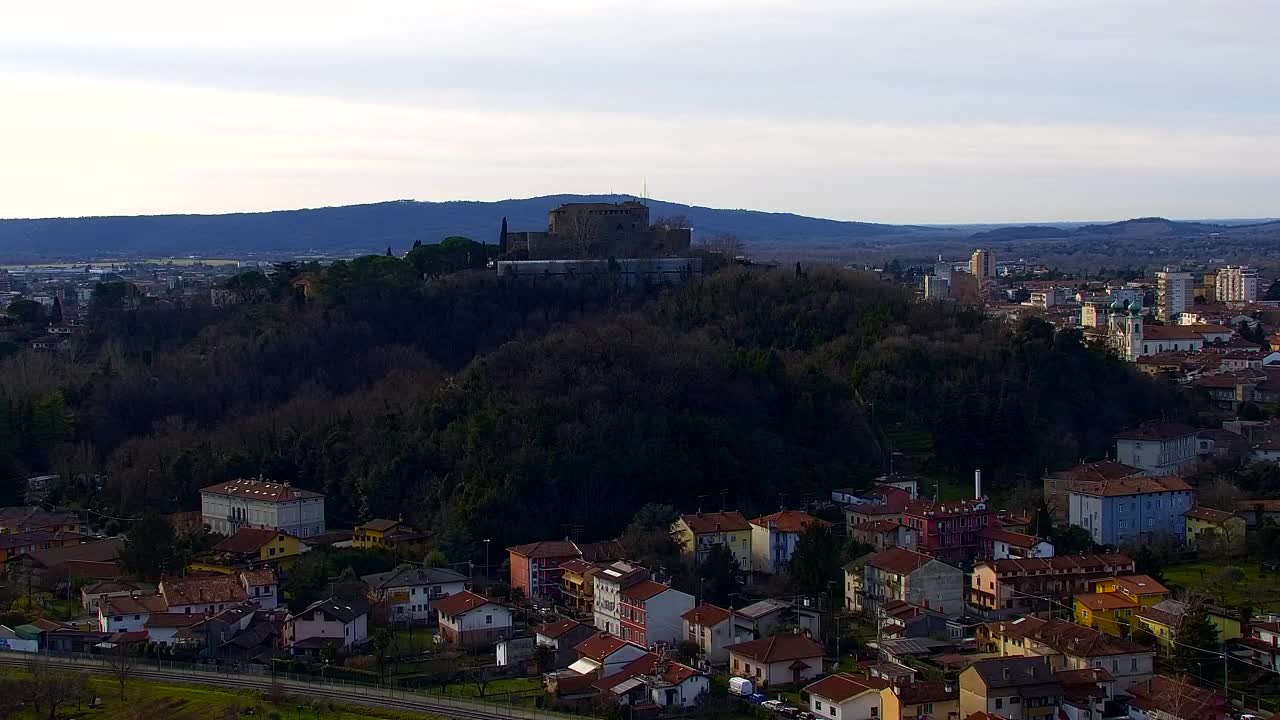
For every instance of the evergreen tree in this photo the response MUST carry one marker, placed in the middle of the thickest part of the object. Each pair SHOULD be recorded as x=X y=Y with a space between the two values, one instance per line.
x=502 y=238
x=435 y=559
x=55 y=317
x=1195 y=640
x=149 y=547
x=1042 y=525
x=719 y=575
x=816 y=560
x=416 y=244
x=388 y=251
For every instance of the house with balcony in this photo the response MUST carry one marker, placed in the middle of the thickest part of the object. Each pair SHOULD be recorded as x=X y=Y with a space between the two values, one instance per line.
x=385 y=533
x=536 y=567
x=908 y=576
x=1263 y=644
x=1204 y=522
x=1030 y=583
x=229 y=506
x=1059 y=483
x=408 y=593
x=325 y=623
x=609 y=583
x=577 y=585
x=774 y=538
x=1113 y=603
x=710 y=628
x=999 y=544
x=778 y=660
x=651 y=612
x=698 y=533
x=467 y=619
x=949 y=531
x=1068 y=646
x=1013 y=688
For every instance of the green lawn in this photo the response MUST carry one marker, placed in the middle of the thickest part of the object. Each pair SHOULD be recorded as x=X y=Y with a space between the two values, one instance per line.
x=495 y=691
x=164 y=701
x=404 y=642
x=1260 y=589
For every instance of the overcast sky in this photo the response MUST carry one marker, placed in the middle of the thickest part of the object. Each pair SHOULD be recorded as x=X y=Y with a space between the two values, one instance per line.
x=879 y=110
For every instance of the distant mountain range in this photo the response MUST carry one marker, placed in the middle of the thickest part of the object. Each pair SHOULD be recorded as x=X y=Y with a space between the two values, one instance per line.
x=356 y=229
x=1149 y=228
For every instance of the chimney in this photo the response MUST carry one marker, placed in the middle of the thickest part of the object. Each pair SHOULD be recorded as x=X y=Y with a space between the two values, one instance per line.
x=977 y=484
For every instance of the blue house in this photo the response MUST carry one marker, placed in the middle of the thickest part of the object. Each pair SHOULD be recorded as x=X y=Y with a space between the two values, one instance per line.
x=1130 y=509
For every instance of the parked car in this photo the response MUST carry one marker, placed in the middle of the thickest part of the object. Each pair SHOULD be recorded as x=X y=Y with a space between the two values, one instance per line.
x=774 y=705
x=756 y=698
x=741 y=686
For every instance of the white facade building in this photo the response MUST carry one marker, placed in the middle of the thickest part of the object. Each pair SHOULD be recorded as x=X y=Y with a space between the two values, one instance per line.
x=607 y=587
x=1175 y=292
x=229 y=506
x=1237 y=283
x=327 y=621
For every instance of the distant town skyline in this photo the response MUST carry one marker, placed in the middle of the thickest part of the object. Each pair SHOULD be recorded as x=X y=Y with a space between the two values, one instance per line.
x=896 y=111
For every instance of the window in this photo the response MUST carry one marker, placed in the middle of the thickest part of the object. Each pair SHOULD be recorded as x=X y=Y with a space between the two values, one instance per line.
x=120 y=618
x=999 y=704
x=833 y=711
x=1115 y=666
x=1133 y=664
x=927 y=708
x=875 y=712
x=488 y=619
x=1015 y=700
x=817 y=705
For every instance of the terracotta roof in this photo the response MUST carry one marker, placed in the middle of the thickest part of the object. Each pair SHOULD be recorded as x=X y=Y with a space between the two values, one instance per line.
x=577 y=566
x=172 y=620
x=459 y=603
x=600 y=646
x=842 y=686
x=1157 y=431
x=1178 y=699
x=877 y=526
x=90 y=569
x=379 y=525
x=928 y=692
x=1060 y=563
x=1139 y=584
x=557 y=629
x=57 y=557
x=413 y=576
x=640 y=666
x=1010 y=538
x=546 y=549
x=246 y=541
x=1156 y=615
x=708 y=615
x=201 y=591
x=1106 y=601
x=9 y=541
x=1069 y=638
x=899 y=561
x=1103 y=470
x=702 y=523
x=1211 y=328
x=788 y=521
x=603 y=551
x=262 y=577
x=261 y=490
x=777 y=648
x=983 y=715
x=1170 y=332
x=1252 y=505
x=1132 y=486
x=1084 y=675
x=1208 y=514
x=644 y=590
x=133 y=605
x=945 y=509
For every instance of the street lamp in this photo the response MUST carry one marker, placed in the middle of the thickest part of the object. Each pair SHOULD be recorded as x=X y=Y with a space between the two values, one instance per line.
x=486 y=559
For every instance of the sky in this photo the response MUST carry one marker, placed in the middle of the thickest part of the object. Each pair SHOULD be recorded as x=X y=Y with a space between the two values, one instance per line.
x=902 y=111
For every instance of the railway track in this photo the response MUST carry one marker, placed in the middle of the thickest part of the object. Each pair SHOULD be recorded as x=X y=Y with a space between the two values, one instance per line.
x=342 y=694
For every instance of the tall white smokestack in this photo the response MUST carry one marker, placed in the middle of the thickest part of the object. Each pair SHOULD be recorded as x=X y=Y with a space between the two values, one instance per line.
x=977 y=484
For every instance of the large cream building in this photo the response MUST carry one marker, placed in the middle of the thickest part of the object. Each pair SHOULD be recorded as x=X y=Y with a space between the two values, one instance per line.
x=229 y=506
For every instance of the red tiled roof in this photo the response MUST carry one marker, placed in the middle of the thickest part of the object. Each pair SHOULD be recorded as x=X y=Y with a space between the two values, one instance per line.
x=199 y=591
x=1252 y=505
x=1178 y=699
x=707 y=615
x=1083 y=675
x=777 y=648
x=1208 y=514
x=1132 y=486
x=547 y=549
x=261 y=490
x=600 y=646
x=133 y=605
x=1170 y=332
x=951 y=508
x=172 y=620
x=460 y=602
x=899 y=561
x=702 y=523
x=263 y=577
x=788 y=521
x=1139 y=584
x=381 y=525
x=1158 y=430
x=1105 y=601
x=644 y=590
x=878 y=526
x=1103 y=470
x=1060 y=563
x=1014 y=539
x=557 y=629
x=843 y=686
x=577 y=566
x=246 y=540
x=928 y=692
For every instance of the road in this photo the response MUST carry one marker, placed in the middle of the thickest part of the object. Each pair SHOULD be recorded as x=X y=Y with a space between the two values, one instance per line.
x=339 y=693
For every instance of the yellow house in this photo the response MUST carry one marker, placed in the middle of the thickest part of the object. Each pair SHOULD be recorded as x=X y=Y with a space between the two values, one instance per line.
x=1142 y=589
x=935 y=700
x=258 y=544
x=1202 y=521
x=697 y=534
x=28 y=519
x=1162 y=620
x=381 y=533
x=577 y=585
x=1110 y=612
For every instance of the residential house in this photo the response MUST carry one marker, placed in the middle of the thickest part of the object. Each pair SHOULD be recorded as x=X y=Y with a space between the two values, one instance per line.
x=469 y=620
x=926 y=700
x=1164 y=698
x=1111 y=606
x=578 y=585
x=250 y=545
x=909 y=576
x=1015 y=688
x=761 y=617
x=777 y=660
x=330 y=622
x=1085 y=693
x=1025 y=583
x=999 y=544
x=1058 y=484
x=261 y=587
x=383 y=533
x=949 y=531
x=1264 y=644
x=91 y=595
x=901 y=619
x=650 y=612
x=20 y=543
x=1120 y=511
x=163 y=627
x=710 y=627
x=29 y=518
x=884 y=534
x=1159 y=448
x=698 y=533
x=535 y=567
x=653 y=681
x=128 y=613
x=562 y=637
x=882 y=502
x=1163 y=619
x=608 y=585
x=202 y=595
x=1256 y=512
x=604 y=654
x=1204 y=522
x=844 y=696
x=407 y=594
x=229 y=506
x=774 y=538
x=1068 y=646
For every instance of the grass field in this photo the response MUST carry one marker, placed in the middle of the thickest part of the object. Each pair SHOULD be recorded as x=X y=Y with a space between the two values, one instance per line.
x=1259 y=588
x=162 y=701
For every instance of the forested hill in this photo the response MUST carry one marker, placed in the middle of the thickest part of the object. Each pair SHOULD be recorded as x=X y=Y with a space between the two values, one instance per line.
x=357 y=229
x=480 y=408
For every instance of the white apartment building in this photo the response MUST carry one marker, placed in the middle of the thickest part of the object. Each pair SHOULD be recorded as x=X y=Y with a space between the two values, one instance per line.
x=608 y=585
x=229 y=506
x=1237 y=283
x=1175 y=292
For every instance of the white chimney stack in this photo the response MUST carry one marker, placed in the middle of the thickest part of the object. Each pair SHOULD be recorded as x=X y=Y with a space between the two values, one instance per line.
x=977 y=484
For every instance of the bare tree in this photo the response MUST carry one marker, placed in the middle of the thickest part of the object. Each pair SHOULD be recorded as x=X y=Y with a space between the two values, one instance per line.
x=481 y=678
x=726 y=244
x=49 y=689
x=583 y=232
x=123 y=664
x=674 y=222
x=1221 y=494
